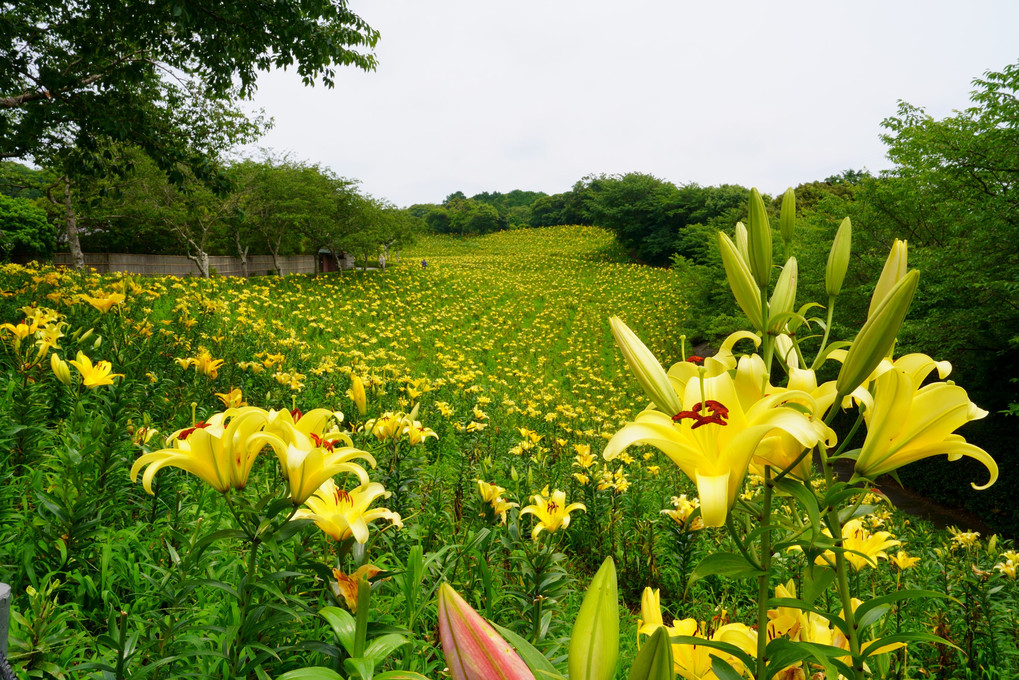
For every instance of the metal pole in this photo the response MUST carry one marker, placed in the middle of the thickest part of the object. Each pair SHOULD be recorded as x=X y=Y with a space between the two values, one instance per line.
x=5 y=616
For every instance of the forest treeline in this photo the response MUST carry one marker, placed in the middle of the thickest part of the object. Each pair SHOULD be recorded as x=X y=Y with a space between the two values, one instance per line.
x=271 y=206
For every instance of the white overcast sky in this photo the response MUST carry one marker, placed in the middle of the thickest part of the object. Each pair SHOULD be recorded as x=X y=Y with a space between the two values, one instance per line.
x=496 y=95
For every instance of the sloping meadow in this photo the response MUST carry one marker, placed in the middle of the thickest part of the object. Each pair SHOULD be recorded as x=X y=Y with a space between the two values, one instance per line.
x=474 y=383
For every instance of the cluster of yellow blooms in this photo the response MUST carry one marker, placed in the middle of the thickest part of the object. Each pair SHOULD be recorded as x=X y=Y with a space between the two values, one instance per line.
x=202 y=363
x=693 y=661
x=311 y=451
x=46 y=327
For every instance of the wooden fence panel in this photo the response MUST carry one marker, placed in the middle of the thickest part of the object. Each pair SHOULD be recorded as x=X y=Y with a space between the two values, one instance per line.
x=178 y=265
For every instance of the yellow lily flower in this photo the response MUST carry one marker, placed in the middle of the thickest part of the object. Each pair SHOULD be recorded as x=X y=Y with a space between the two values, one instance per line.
x=489 y=492
x=49 y=336
x=387 y=426
x=97 y=375
x=344 y=514
x=908 y=423
x=20 y=332
x=232 y=399
x=305 y=430
x=693 y=662
x=103 y=304
x=863 y=548
x=346 y=584
x=205 y=364
x=306 y=469
x=681 y=510
x=552 y=513
x=500 y=506
x=903 y=561
x=714 y=440
x=650 y=612
x=221 y=451
x=416 y=433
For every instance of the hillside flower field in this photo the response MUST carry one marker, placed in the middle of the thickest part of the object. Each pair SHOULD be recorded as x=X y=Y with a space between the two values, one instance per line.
x=509 y=463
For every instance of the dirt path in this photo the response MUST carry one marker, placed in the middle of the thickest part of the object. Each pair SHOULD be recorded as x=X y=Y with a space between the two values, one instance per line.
x=914 y=504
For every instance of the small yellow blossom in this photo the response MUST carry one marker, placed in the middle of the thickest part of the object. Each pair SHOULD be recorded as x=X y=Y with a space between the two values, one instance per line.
x=552 y=513
x=903 y=561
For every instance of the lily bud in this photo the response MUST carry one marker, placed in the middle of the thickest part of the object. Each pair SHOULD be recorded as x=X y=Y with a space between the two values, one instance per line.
x=60 y=369
x=473 y=649
x=741 y=241
x=759 y=235
x=744 y=288
x=877 y=336
x=787 y=218
x=650 y=374
x=594 y=645
x=838 y=259
x=894 y=270
x=654 y=661
x=784 y=296
x=360 y=398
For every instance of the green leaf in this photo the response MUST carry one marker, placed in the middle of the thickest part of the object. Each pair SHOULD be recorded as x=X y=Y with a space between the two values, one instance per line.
x=726 y=565
x=380 y=648
x=343 y=624
x=804 y=496
x=846 y=514
x=723 y=670
x=871 y=647
x=362 y=666
x=400 y=675
x=535 y=660
x=816 y=579
x=863 y=611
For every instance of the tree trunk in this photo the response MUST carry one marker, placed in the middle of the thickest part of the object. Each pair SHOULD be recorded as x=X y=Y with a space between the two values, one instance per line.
x=71 y=225
x=242 y=253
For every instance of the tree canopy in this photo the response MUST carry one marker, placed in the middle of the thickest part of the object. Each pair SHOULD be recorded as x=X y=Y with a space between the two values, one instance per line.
x=139 y=71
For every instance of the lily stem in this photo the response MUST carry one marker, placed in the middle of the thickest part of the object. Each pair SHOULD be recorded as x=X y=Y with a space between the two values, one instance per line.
x=842 y=574
x=764 y=580
x=827 y=330
x=245 y=595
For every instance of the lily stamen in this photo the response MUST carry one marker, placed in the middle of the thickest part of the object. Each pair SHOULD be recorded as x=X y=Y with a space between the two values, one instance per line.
x=184 y=434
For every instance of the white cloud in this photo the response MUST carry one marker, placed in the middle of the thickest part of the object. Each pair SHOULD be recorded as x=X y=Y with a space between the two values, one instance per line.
x=534 y=94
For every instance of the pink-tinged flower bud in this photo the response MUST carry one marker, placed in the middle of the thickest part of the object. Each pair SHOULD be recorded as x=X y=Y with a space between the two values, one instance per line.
x=473 y=650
